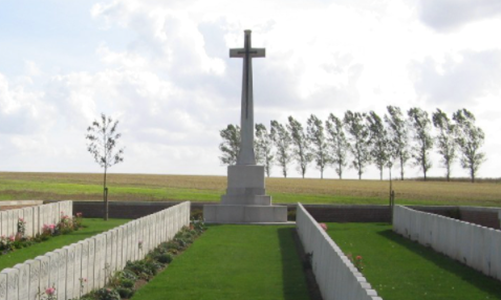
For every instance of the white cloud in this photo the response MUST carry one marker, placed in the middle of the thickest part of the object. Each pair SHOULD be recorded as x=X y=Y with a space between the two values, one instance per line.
x=170 y=82
x=449 y=15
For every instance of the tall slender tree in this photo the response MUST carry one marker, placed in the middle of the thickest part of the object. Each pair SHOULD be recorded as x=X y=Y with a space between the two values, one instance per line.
x=316 y=135
x=359 y=140
x=338 y=144
x=264 y=145
x=378 y=142
x=399 y=135
x=283 y=143
x=102 y=138
x=230 y=146
x=445 y=140
x=421 y=127
x=469 y=139
x=301 y=150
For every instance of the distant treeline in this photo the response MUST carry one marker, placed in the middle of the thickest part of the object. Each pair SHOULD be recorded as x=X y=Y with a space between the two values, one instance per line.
x=359 y=139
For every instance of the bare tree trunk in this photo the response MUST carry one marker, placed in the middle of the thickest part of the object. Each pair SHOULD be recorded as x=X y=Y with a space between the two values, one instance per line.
x=105 y=196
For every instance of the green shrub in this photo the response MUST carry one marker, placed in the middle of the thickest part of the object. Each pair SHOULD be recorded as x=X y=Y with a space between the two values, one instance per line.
x=165 y=258
x=128 y=275
x=125 y=292
x=127 y=283
x=107 y=294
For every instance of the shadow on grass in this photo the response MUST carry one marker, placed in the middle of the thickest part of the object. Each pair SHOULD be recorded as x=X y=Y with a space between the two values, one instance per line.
x=294 y=282
x=473 y=277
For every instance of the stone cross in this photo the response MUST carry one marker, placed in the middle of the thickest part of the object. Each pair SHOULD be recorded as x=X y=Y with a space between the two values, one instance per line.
x=246 y=155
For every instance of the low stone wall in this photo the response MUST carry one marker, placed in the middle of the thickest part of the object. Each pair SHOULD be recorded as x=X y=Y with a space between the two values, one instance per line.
x=93 y=259
x=35 y=217
x=476 y=246
x=336 y=276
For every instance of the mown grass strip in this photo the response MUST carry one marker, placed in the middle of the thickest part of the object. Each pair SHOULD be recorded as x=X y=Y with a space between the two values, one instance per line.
x=234 y=262
x=400 y=269
x=93 y=227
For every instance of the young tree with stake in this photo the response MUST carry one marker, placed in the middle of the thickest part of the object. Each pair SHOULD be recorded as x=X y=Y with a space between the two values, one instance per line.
x=102 y=140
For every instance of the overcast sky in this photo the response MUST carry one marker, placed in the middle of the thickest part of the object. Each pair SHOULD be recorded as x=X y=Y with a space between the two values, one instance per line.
x=163 y=70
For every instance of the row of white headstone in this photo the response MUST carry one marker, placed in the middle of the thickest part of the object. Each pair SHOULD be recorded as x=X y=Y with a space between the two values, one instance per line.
x=35 y=217
x=336 y=276
x=476 y=246
x=81 y=267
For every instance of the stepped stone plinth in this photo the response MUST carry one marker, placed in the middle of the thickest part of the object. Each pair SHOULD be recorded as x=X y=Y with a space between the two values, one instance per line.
x=245 y=201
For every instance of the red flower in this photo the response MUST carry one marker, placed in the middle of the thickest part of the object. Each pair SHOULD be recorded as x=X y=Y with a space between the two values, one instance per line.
x=324 y=226
x=50 y=291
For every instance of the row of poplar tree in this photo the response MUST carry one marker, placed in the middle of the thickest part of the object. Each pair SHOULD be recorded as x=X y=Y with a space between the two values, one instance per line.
x=360 y=139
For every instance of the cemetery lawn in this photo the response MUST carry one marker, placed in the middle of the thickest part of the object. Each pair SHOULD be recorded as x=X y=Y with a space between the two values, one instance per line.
x=93 y=227
x=399 y=269
x=141 y=187
x=233 y=262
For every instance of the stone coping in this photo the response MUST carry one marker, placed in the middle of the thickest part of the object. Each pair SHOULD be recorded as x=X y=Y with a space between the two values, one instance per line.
x=20 y=202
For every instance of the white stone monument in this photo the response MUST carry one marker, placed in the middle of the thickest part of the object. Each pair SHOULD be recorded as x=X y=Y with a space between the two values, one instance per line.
x=246 y=201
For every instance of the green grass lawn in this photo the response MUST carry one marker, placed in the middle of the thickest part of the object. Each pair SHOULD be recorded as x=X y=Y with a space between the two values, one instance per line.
x=400 y=269
x=94 y=226
x=234 y=262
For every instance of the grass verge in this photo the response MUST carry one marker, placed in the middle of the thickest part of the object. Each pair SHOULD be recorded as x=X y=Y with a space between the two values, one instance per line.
x=93 y=227
x=401 y=269
x=234 y=262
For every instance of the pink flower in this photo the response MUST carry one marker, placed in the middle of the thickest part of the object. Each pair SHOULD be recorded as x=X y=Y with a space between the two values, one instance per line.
x=358 y=257
x=12 y=238
x=21 y=220
x=324 y=226
x=79 y=214
x=52 y=226
x=50 y=291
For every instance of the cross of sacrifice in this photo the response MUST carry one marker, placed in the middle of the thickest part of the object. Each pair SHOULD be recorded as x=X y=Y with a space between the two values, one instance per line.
x=246 y=155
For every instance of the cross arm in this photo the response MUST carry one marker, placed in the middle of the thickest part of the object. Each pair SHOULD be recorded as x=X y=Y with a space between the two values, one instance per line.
x=253 y=52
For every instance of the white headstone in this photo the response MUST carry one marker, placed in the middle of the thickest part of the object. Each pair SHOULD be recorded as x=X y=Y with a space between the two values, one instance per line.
x=111 y=245
x=100 y=261
x=3 y=286
x=71 y=277
x=53 y=270
x=24 y=280
x=119 y=248
x=77 y=269
x=28 y=218
x=62 y=275
x=12 y=283
x=34 y=278
x=90 y=265
x=12 y=222
x=44 y=263
x=84 y=258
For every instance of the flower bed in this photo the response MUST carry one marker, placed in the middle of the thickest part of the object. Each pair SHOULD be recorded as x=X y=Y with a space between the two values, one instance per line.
x=20 y=240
